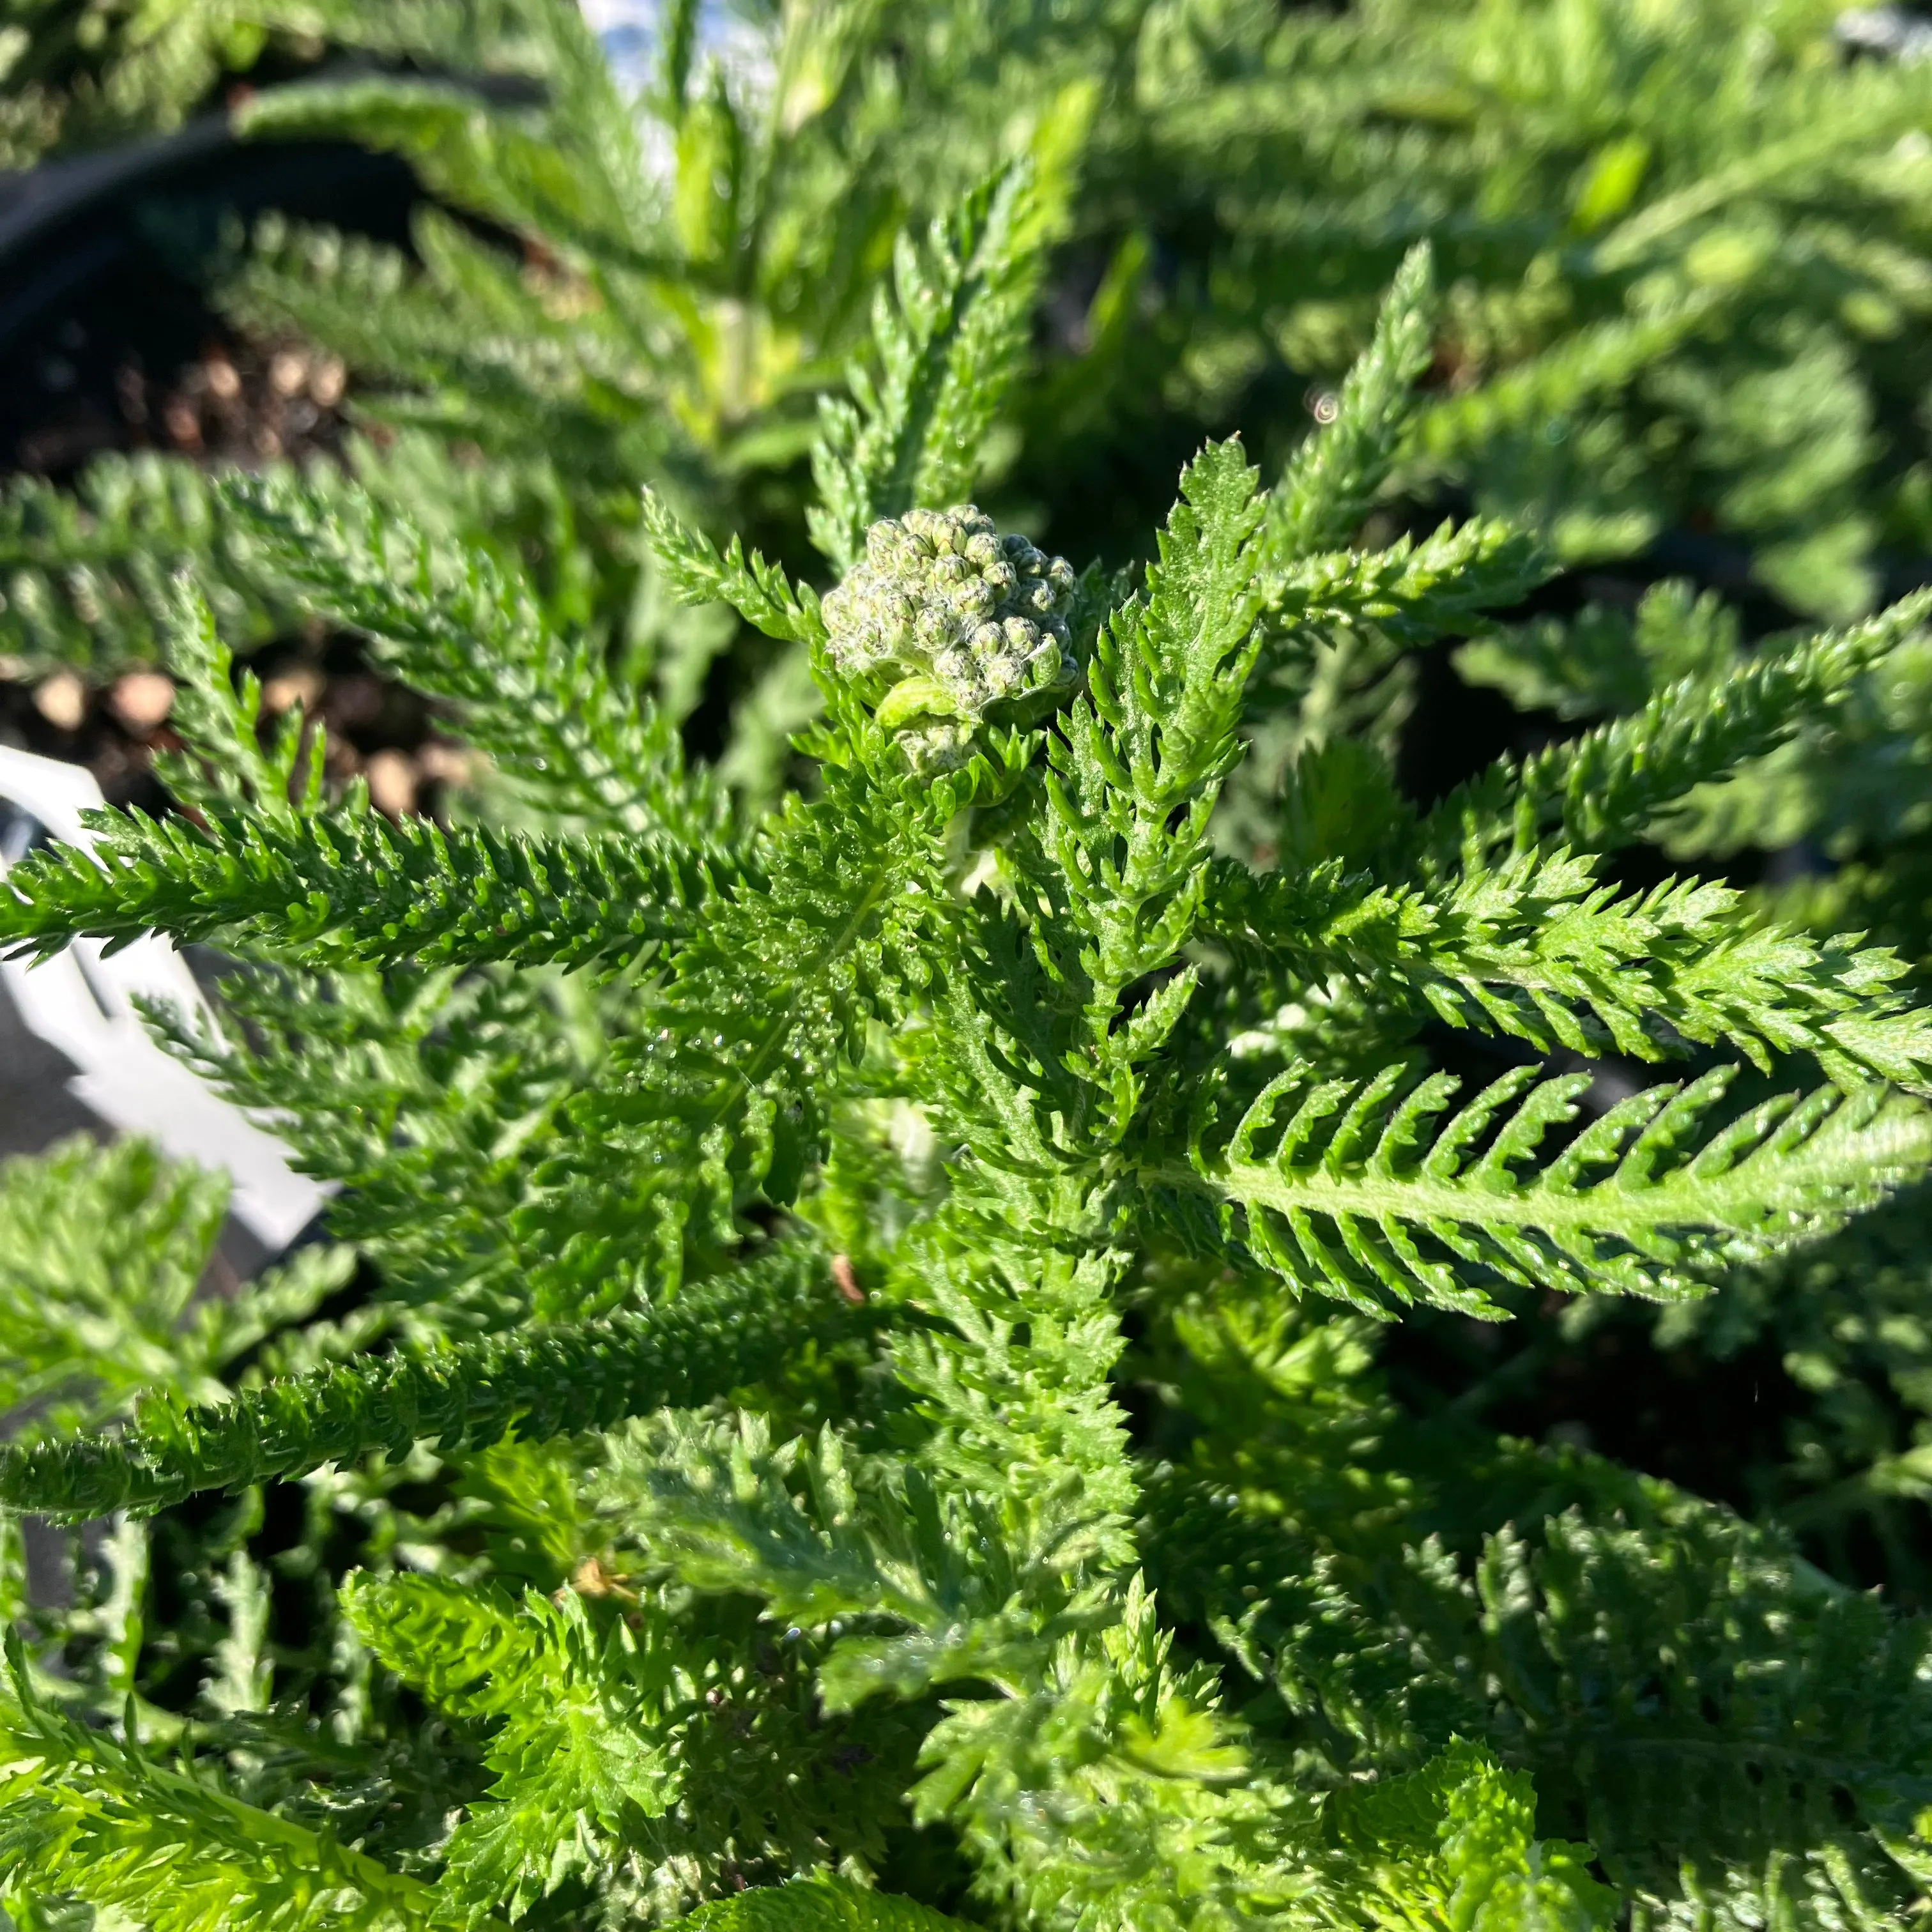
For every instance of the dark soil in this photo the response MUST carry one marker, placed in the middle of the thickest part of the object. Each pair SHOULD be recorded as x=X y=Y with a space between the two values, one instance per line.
x=109 y=343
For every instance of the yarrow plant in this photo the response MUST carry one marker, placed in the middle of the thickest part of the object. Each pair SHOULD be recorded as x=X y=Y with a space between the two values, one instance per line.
x=971 y=623
x=862 y=1400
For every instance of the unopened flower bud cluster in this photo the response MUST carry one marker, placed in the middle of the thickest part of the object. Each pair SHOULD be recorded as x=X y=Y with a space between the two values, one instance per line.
x=942 y=596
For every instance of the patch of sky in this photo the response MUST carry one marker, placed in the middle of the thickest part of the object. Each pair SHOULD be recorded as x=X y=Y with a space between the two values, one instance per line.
x=735 y=37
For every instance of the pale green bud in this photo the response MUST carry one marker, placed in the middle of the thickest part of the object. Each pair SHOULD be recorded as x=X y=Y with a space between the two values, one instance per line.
x=956 y=617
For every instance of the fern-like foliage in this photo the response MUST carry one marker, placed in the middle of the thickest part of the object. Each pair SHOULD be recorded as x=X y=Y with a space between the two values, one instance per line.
x=949 y=339
x=373 y=893
x=1378 y=1203
x=1456 y=1839
x=1645 y=329
x=453 y=625
x=1525 y=1602
x=609 y=1720
x=703 y=1344
x=1327 y=489
x=1606 y=787
x=665 y=1594
x=818 y=1904
x=105 y=1249
x=1536 y=948
x=87 y=573
x=91 y=1818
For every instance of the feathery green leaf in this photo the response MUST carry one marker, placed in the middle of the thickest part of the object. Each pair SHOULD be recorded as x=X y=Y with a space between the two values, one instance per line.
x=706 y=1342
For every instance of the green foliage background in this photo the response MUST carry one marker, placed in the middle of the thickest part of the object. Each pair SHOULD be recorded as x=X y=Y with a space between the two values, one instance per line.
x=851 y=1376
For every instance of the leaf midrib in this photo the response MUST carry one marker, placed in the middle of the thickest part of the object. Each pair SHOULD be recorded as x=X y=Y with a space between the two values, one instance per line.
x=1734 y=1201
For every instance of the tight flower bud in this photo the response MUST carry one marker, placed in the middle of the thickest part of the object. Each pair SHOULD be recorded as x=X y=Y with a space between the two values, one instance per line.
x=954 y=618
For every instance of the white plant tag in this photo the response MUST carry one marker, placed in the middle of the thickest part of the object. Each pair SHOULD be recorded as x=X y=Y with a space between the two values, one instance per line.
x=82 y=1003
